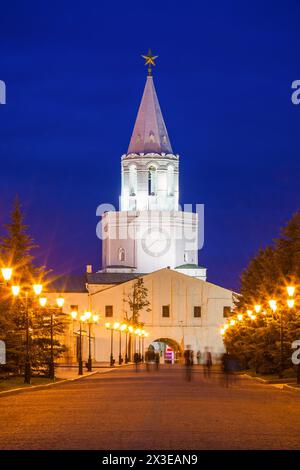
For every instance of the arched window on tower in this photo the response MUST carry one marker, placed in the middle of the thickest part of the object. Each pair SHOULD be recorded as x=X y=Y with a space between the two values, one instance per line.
x=170 y=180
x=122 y=254
x=132 y=180
x=152 y=181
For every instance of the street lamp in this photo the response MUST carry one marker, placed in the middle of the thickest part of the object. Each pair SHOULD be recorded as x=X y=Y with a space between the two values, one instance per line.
x=110 y=327
x=122 y=327
x=37 y=289
x=91 y=319
x=257 y=308
x=144 y=335
x=130 y=331
x=16 y=290
x=80 y=362
x=291 y=290
x=6 y=274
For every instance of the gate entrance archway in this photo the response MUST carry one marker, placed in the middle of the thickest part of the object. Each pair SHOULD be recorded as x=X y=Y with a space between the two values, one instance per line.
x=165 y=346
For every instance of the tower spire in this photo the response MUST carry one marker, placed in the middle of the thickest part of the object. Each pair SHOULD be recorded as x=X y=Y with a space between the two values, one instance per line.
x=150 y=132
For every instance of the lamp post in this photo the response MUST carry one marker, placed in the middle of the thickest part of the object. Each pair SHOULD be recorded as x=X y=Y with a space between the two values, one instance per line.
x=143 y=334
x=126 y=346
x=122 y=328
x=130 y=331
x=37 y=289
x=112 y=327
x=273 y=305
x=91 y=319
x=80 y=362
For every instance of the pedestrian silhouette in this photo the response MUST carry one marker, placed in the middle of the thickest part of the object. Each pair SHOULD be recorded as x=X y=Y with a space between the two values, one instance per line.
x=207 y=363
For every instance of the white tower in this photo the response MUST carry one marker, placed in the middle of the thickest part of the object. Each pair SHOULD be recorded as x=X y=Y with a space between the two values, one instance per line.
x=149 y=232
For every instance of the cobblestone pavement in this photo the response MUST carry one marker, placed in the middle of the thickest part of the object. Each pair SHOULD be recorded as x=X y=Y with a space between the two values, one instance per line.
x=125 y=409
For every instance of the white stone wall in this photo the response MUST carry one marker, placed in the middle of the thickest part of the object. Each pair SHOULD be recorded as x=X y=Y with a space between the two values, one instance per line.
x=151 y=240
x=165 y=287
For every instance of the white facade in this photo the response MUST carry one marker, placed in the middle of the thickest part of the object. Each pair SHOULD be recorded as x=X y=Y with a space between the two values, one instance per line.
x=146 y=241
x=166 y=287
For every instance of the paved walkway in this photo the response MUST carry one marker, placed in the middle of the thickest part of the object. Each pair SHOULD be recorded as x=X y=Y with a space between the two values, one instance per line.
x=123 y=409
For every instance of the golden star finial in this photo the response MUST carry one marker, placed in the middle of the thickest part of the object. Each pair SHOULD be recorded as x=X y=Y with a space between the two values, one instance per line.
x=150 y=61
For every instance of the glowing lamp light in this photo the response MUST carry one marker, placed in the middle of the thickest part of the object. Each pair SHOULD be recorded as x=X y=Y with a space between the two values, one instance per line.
x=290 y=290
x=83 y=318
x=130 y=329
x=95 y=318
x=107 y=325
x=273 y=305
x=232 y=322
x=87 y=315
x=137 y=331
x=15 y=290
x=253 y=317
x=249 y=313
x=116 y=325
x=222 y=331
x=257 y=308
x=6 y=273
x=43 y=301
x=146 y=334
x=226 y=327
x=123 y=327
x=37 y=289
x=74 y=314
x=60 y=301
x=240 y=317
x=290 y=303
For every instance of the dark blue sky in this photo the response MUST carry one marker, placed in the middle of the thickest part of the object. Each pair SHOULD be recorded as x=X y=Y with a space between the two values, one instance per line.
x=74 y=80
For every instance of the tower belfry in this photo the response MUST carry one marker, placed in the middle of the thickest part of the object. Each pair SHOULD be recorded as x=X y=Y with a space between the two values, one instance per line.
x=150 y=232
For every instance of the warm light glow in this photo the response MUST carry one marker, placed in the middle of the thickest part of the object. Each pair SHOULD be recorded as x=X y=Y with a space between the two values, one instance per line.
x=240 y=317
x=74 y=314
x=95 y=318
x=60 y=301
x=249 y=312
x=264 y=312
x=6 y=273
x=273 y=305
x=43 y=301
x=290 y=303
x=146 y=334
x=226 y=327
x=107 y=325
x=15 y=290
x=116 y=325
x=37 y=288
x=83 y=318
x=290 y=290
x=253 y=317
x=87 y=315
x=130 y=329
x=232 y=322
x=257 y=308
x=222 y=331
x=123 y=327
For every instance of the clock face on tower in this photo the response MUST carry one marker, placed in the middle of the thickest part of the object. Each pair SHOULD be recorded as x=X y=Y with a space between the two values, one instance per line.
x=156 y=242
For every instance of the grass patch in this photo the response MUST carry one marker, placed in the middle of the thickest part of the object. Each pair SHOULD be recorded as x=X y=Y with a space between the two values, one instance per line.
x=18 y=382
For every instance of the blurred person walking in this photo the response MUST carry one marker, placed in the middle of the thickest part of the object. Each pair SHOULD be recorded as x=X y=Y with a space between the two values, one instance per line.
x=207 y=363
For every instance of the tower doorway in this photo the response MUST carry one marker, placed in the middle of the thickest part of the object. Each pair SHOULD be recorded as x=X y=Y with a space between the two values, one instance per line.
x=169 y=350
